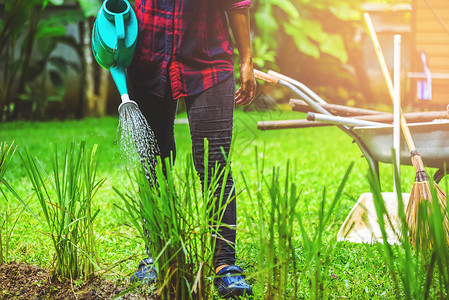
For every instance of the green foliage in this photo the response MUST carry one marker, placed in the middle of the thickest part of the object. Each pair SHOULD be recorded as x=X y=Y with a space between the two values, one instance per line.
x=302 y=21
x=263 y=56
x=28 y=37
x=90 y=8
x=66 y=202
x=314 y=42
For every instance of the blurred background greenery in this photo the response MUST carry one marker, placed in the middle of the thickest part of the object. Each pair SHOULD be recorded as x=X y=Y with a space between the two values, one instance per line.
x=47 y=70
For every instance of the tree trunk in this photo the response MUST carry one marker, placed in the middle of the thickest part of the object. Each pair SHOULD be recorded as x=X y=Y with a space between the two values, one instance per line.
x=28 y=50
x=79 y=113
x=103 y=92
x=95 y=80
x=89 y=83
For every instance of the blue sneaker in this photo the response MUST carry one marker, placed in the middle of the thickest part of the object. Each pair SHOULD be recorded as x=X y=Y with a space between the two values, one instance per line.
x=231 y=283
x=146 y=272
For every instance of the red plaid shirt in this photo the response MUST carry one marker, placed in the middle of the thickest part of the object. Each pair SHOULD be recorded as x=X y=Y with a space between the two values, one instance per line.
x=182 y=44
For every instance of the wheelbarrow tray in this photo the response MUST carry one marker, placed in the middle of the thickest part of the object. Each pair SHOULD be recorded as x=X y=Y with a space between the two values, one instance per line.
x=431 y=140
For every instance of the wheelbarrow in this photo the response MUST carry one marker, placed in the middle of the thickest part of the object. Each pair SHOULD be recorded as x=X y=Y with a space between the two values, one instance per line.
x=375 y=140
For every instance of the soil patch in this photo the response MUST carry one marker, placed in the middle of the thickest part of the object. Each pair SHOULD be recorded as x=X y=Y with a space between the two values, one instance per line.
x=24 y=281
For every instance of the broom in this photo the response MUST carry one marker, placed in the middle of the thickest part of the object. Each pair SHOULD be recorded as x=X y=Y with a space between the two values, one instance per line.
x=421 y=187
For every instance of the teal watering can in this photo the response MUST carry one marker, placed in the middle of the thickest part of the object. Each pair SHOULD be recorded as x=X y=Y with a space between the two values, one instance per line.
x=114 y=37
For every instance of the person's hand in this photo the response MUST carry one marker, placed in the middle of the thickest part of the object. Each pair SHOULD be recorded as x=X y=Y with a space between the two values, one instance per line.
x=245 y=93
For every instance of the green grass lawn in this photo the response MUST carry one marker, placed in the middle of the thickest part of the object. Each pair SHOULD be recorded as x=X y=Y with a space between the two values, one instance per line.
x=319 y=158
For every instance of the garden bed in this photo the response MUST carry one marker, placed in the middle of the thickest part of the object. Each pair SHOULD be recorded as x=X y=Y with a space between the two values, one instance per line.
x=315 y=266
x=25 y=281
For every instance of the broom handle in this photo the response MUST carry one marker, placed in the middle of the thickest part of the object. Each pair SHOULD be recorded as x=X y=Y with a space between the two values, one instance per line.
x=386 y=74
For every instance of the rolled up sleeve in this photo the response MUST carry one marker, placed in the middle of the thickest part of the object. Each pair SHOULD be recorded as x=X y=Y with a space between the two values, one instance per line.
x=236 y=4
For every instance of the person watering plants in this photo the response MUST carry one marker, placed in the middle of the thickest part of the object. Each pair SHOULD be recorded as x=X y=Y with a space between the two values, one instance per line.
x=184 y=49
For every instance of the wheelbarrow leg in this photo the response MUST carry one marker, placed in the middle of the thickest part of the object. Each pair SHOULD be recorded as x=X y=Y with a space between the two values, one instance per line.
x=376 y=169
x=439 y=174
x=372 y=163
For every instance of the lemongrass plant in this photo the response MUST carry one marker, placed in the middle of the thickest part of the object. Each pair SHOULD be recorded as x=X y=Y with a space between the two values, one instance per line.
x=317 y=252
x=65 y=197
x=272 y=227
x=10 y=212
x=6 y=153
x=7 y=224
x=181 y=220
x=273 y=221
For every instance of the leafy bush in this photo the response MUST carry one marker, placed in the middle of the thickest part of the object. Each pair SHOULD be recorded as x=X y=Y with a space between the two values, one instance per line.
x=29 y=34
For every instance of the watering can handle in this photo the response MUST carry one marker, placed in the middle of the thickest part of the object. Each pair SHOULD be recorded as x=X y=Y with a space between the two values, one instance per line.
x=120 y=29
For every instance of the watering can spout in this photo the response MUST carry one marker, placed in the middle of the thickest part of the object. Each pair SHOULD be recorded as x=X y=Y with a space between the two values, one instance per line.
x=119 y=77
x=126 y=102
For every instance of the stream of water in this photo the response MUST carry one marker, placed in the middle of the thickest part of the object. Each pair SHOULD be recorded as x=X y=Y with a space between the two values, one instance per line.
x=136 y=137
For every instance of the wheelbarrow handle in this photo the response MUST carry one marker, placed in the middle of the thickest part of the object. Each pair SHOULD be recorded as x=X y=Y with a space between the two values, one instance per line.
x=265 y=77
x=299 y=85
x=318 y=108
x=340 y=120
x=288 y=124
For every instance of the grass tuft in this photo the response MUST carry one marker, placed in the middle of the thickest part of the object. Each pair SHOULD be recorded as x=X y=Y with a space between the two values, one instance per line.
x=65 y=197
x=419 y=272
x=177 y=220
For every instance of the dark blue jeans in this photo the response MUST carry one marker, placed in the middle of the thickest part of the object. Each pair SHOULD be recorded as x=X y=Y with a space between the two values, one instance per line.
x=210 y=115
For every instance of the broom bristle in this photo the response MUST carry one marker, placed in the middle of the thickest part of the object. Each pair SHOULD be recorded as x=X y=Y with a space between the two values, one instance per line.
x=418 y=213
x=442 y=201
x=418 y=223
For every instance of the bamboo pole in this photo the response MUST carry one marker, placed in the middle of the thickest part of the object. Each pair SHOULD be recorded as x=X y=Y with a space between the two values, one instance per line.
x=397 y=109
